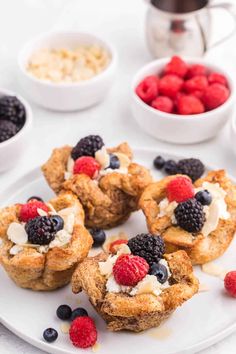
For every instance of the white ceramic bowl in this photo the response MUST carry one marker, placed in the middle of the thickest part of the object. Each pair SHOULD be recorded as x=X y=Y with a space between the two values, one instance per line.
x=13 y=149
x=180 y=129
x=66 y=96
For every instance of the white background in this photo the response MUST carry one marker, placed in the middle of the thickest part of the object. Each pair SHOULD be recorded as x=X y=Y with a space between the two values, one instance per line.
x=121 y=22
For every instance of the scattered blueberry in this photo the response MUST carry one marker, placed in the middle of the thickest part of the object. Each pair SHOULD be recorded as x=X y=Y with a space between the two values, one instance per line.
x=50 y=335
x=64 y=312
x=159 y=162
x=58 y=222
x=204 y=197
x=170 y=167
x=114 y=162
x=160 y=271
x=79 y=312
x=34 y=197
x=99 y=237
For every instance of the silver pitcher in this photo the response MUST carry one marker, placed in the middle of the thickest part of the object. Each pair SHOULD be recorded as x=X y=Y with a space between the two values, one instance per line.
x=182 y=27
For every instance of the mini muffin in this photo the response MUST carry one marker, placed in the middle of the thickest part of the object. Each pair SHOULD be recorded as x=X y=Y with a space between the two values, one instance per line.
x=134 y=292
x=199 y=218
x=43 y=242
x=105 y=180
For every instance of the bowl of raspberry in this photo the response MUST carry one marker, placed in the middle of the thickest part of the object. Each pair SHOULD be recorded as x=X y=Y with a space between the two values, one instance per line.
x=182 y=100
x=15 y=127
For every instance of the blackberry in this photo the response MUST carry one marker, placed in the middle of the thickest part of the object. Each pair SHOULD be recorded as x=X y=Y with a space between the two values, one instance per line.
x=98 y=236
x=41 y=230
x=50 y=335
x=170 y=167
x=190 y=215
x=87 y=146
x=64 y=312
x=160 y=271
x=193 y=168
x=7 y=130
x=159 y=162
x=204 y=197
x=12 y=110
x=148 y=246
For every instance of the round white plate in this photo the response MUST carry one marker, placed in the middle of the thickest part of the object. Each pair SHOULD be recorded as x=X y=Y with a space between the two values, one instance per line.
x=203 y=320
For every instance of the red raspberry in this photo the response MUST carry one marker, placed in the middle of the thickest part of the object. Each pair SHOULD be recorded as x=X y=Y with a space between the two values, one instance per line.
x=114 y=244
x=129 y=269
x=179 y=189
x=189 y=104
x=176 y=66
x=230 y=283
x=197 y=83
x=30 y=210
x=163 y=103
x=86 y=165
x=83 y=332
x=198 y=94
x=215 y=95
x=217 y=78
x=147 y=90
x=170 y=85
x=196 y=70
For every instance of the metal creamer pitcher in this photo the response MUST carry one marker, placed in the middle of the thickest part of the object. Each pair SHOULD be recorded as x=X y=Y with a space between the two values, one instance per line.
x=182 y=26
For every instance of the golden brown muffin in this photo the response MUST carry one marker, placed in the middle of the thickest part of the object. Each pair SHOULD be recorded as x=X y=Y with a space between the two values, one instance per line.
x=200 y=248
x=52 y=268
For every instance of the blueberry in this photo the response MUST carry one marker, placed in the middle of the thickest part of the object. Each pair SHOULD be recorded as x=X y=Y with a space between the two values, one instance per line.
x=114 y=162
x=204 y=197
x=99 y=237
x=34 y=197
x=160 y=271
x=50 y=335
x=170 y=167
x=79 y=312
x=159 y=162
x=64 y=312
x=58 y=222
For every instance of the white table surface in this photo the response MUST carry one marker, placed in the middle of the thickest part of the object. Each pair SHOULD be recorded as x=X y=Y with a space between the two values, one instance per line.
x=122 y=23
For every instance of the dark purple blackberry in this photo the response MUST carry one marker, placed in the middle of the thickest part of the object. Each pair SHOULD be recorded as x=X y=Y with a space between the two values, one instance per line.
x=12 y=110
x=190 y=215
x=170 y=167
x=7 y=130
x=193 y=168
x=148 y=246
x=87 y=146
x=41 y=230
x=159 y=162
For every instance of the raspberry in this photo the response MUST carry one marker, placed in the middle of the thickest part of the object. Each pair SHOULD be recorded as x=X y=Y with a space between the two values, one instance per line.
x=195 y=70
x=170 y=85
x=29 y=210
x=163 y=103
x=147 y=90
x=176 y=66
x=87 y=146
x=190 y=215
x=215 y=95
x=179 y=189
x=114 y=245
x=217 y=78
x=197 y=83
x=86 y=165
x=129 y=270
x=230 y=283
x=83 y=332
x=189 y=104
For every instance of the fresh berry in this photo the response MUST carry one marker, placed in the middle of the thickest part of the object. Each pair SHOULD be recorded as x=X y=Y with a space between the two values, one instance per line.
x=150 y=247
x=30 y=210
x=87 y=146
x=170 y=167
x=98 y=236
x=189 y=104
x=7 y=130
x=79 y=312
x=40 y=230
x=193 y=168
x=83 y=332
x=114 y=162
x=176 y=66
x=163 y=103
x=217 y=78
x=147 y=90
x=203 y=197
x=179 y=189
x=50 y=335
x=64 y=312
x=160 y=271
x=170 y=85
x=197 y=83
x=86 y=165
x=196 y=70
x=159 y=162
x=129 y=269
x=215 y=95
x=12 y=109
x=114 y=245
x=34 y=197
x=230 y=283
x=190 y=215
x=58 y=222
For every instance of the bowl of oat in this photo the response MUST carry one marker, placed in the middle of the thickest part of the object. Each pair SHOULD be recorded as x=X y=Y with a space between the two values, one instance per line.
x=67 y=71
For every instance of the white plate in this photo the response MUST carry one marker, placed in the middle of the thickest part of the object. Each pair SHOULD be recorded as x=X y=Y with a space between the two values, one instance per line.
x=200 y=322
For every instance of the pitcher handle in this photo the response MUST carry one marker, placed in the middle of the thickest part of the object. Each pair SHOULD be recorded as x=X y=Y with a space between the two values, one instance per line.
x=231 y=11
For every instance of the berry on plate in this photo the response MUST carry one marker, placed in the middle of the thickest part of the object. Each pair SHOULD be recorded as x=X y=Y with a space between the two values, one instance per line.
x=163 y=103
x=83 y=332
x=78 y=312
x=159 y=162
x=217 y=78
x=87 y=146
x=179 y=189
x=197 y=83
x=189 y=104
x=29 y=210
x=98 y=236
x=147 y=90
x=50 y=335
x=190 y=215
x=64 y=312
x=170 y=85
x=176 y=66
x=195 y=70
x=160 y=271
x=230 y=283
x=215 y=95
x=115 y=244
x=86 y=165
x=129 y=269
x=191 y=167
x=170 y=167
